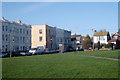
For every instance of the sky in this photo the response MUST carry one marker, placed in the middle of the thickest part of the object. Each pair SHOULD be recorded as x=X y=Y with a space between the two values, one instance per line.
x=79 y=17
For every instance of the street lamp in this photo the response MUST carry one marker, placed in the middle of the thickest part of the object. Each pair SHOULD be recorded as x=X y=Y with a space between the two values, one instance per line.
x=93 y=39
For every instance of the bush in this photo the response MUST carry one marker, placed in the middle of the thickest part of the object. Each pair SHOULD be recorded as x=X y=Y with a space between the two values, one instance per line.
x=109 y=45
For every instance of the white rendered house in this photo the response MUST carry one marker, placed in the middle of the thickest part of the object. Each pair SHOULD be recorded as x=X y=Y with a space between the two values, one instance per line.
x=102 y=37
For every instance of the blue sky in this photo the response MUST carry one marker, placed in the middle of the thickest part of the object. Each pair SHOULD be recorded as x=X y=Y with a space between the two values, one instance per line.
x=79 y=17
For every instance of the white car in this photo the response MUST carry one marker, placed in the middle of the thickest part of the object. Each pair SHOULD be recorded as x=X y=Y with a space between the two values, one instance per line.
x=37 y=50
x=22 y=53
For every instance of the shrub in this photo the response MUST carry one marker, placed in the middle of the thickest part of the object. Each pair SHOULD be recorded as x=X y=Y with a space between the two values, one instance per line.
x=109 y=45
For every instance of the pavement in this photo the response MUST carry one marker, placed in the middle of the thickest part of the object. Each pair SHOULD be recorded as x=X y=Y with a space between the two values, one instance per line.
x=99 y=57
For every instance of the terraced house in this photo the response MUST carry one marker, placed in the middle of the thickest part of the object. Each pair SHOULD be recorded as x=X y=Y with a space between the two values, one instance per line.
x=50 y=37
x=16 y=36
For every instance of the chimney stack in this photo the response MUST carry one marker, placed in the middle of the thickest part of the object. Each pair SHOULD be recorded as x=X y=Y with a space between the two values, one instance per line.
x=3 y=18
x=95 y=31
x=19 y=21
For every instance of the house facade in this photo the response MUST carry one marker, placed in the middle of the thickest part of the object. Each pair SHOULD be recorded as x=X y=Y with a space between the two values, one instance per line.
x=50 y=37
x=67 y=40
x=40 y=36
x=115 y=39
x=16 y=36
x=59 y=37
x=76 y=41
x=102 y=37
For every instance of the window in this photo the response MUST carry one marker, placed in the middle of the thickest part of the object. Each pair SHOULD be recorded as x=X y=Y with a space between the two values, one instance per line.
x=17 y=38
x=10 y=30
x=2 y=28
x=23 y=31
x=17 y=30
x=40 y=38
x=98 y=38
x=2 y=48
x=20 y=30
x=27 y=32
x=40 y=31
x=17 y=48
x=102 y=38
x=21 y=48
x=61 y=40
x=23 y=39
x=6 y=48
x=6 y=37
x=6 y=28
x=13 y=29
x=13 y=38
x=3 y=37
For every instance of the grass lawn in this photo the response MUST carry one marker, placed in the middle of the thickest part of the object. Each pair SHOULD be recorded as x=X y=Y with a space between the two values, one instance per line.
x=109 y=54
x=61 y=66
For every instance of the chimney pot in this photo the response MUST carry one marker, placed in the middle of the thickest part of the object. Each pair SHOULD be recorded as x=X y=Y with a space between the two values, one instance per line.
x=19 y=21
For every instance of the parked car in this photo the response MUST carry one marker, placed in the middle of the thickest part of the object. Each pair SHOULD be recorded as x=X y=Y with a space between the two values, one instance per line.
x=15 y=54
x=81 y=49
x=25 y=53
x=37 y=50
x=22 y=53
x=47 y=52
x=51 y=51
x=70 y=50
x=28 y=53
x=78 y=49
x=4 y=55
x=57 y=51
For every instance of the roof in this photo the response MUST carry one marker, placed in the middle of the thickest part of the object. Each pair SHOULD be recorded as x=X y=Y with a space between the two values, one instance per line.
x=116 y=34
x=101 y=33
x=4 y=20
x=83 y=37
x=112 y=40
x=75 y=35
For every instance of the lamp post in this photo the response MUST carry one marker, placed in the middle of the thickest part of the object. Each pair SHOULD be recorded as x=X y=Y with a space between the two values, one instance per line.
x=93 y=39
x=103 y=39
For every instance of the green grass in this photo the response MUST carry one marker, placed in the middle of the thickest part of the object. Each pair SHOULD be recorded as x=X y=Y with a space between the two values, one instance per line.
x=109 y=54
x=59 y=66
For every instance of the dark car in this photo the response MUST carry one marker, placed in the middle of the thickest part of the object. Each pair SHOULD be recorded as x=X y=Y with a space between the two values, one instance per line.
x=80 y=49
x=4 y=55
x=14 y=54
x=70 y=50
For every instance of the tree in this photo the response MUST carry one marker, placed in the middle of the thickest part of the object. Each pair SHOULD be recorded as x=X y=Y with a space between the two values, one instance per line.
x=119 y=31
x=97 y=45
x=87 y=42
x=87 y=37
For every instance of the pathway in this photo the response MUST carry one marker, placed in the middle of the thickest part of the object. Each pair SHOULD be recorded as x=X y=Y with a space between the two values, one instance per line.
x=99 y=57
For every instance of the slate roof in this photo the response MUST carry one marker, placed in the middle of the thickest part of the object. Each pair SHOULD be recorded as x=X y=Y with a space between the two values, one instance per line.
x=73 y=36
